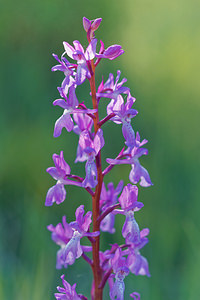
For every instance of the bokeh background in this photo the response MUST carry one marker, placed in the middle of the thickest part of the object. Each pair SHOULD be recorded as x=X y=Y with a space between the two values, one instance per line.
x=161 y=61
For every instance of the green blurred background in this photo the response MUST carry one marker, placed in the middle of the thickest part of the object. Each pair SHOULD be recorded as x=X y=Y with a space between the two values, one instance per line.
x=161 y=61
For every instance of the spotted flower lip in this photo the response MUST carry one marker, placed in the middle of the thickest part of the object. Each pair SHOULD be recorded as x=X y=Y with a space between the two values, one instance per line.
x=120 y=269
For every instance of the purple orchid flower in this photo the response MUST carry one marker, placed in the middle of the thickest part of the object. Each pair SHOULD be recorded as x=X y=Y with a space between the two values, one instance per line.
x=84 y=122
x=120 y=269
x=67 y=292
x=61 y=235
x=123 y=114
x=82 y=57
x=111 y=52
x=90 y=26
x=90 y=149
x=111 y=89
x=66 y=67
x=68 y=236
x=60 y=173
x=107 y=199
x=114 y=264
x=138 y=173
x=70 y=105
x=137 y=263
x=129 y=204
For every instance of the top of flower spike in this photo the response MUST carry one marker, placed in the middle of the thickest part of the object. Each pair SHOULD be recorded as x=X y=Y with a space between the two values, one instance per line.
x=90 y=26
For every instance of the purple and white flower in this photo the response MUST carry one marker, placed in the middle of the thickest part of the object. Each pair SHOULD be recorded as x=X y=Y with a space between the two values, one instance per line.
x=82 y=57
x=107 y=199
x=138 y=173
x=67 y=292
x=60 y=172
x=68 y=236
x=89 y=149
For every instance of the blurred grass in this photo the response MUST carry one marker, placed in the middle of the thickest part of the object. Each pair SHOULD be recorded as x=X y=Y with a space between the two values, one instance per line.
x=161 y=62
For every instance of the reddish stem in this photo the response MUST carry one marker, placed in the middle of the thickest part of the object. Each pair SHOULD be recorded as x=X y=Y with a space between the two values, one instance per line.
x=107 y=211
x=110 y=167
x=105 y=278
x=97 y=271
x=80 y=179
x=107 y=118
x=87 y=259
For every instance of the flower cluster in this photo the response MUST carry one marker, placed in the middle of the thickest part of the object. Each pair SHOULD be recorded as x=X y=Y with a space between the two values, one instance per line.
x=113 y=265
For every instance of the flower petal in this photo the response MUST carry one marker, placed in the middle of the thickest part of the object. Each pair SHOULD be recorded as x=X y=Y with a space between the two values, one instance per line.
x=65 y=121
x=56 y=194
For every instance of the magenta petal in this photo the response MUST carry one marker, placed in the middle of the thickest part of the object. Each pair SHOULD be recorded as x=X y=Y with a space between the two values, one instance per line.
x=86 y=24
x=87 y=221
x=91 y=50
x=62 y=103
x=98 y=141
x=78 y=46
x=79 y=56
x=68 y=49
x=81 y=73
x=56 y=194
x=73 y=101
x=144 y=232
x=140 y=151
x=129 y=196
x=65 y=121
x=85 y=140
x=139 y=173
x=96 y=24
x=53 y=172
x=79 y=214
x=135 y=296
x=107 y=224
x=131 y=231
x=91 y=175
x=138 y=264
x=128 y=134
x=60 y=163
x=117 y=290
x=58 y=68
x=111 y=52
x=72 y=250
